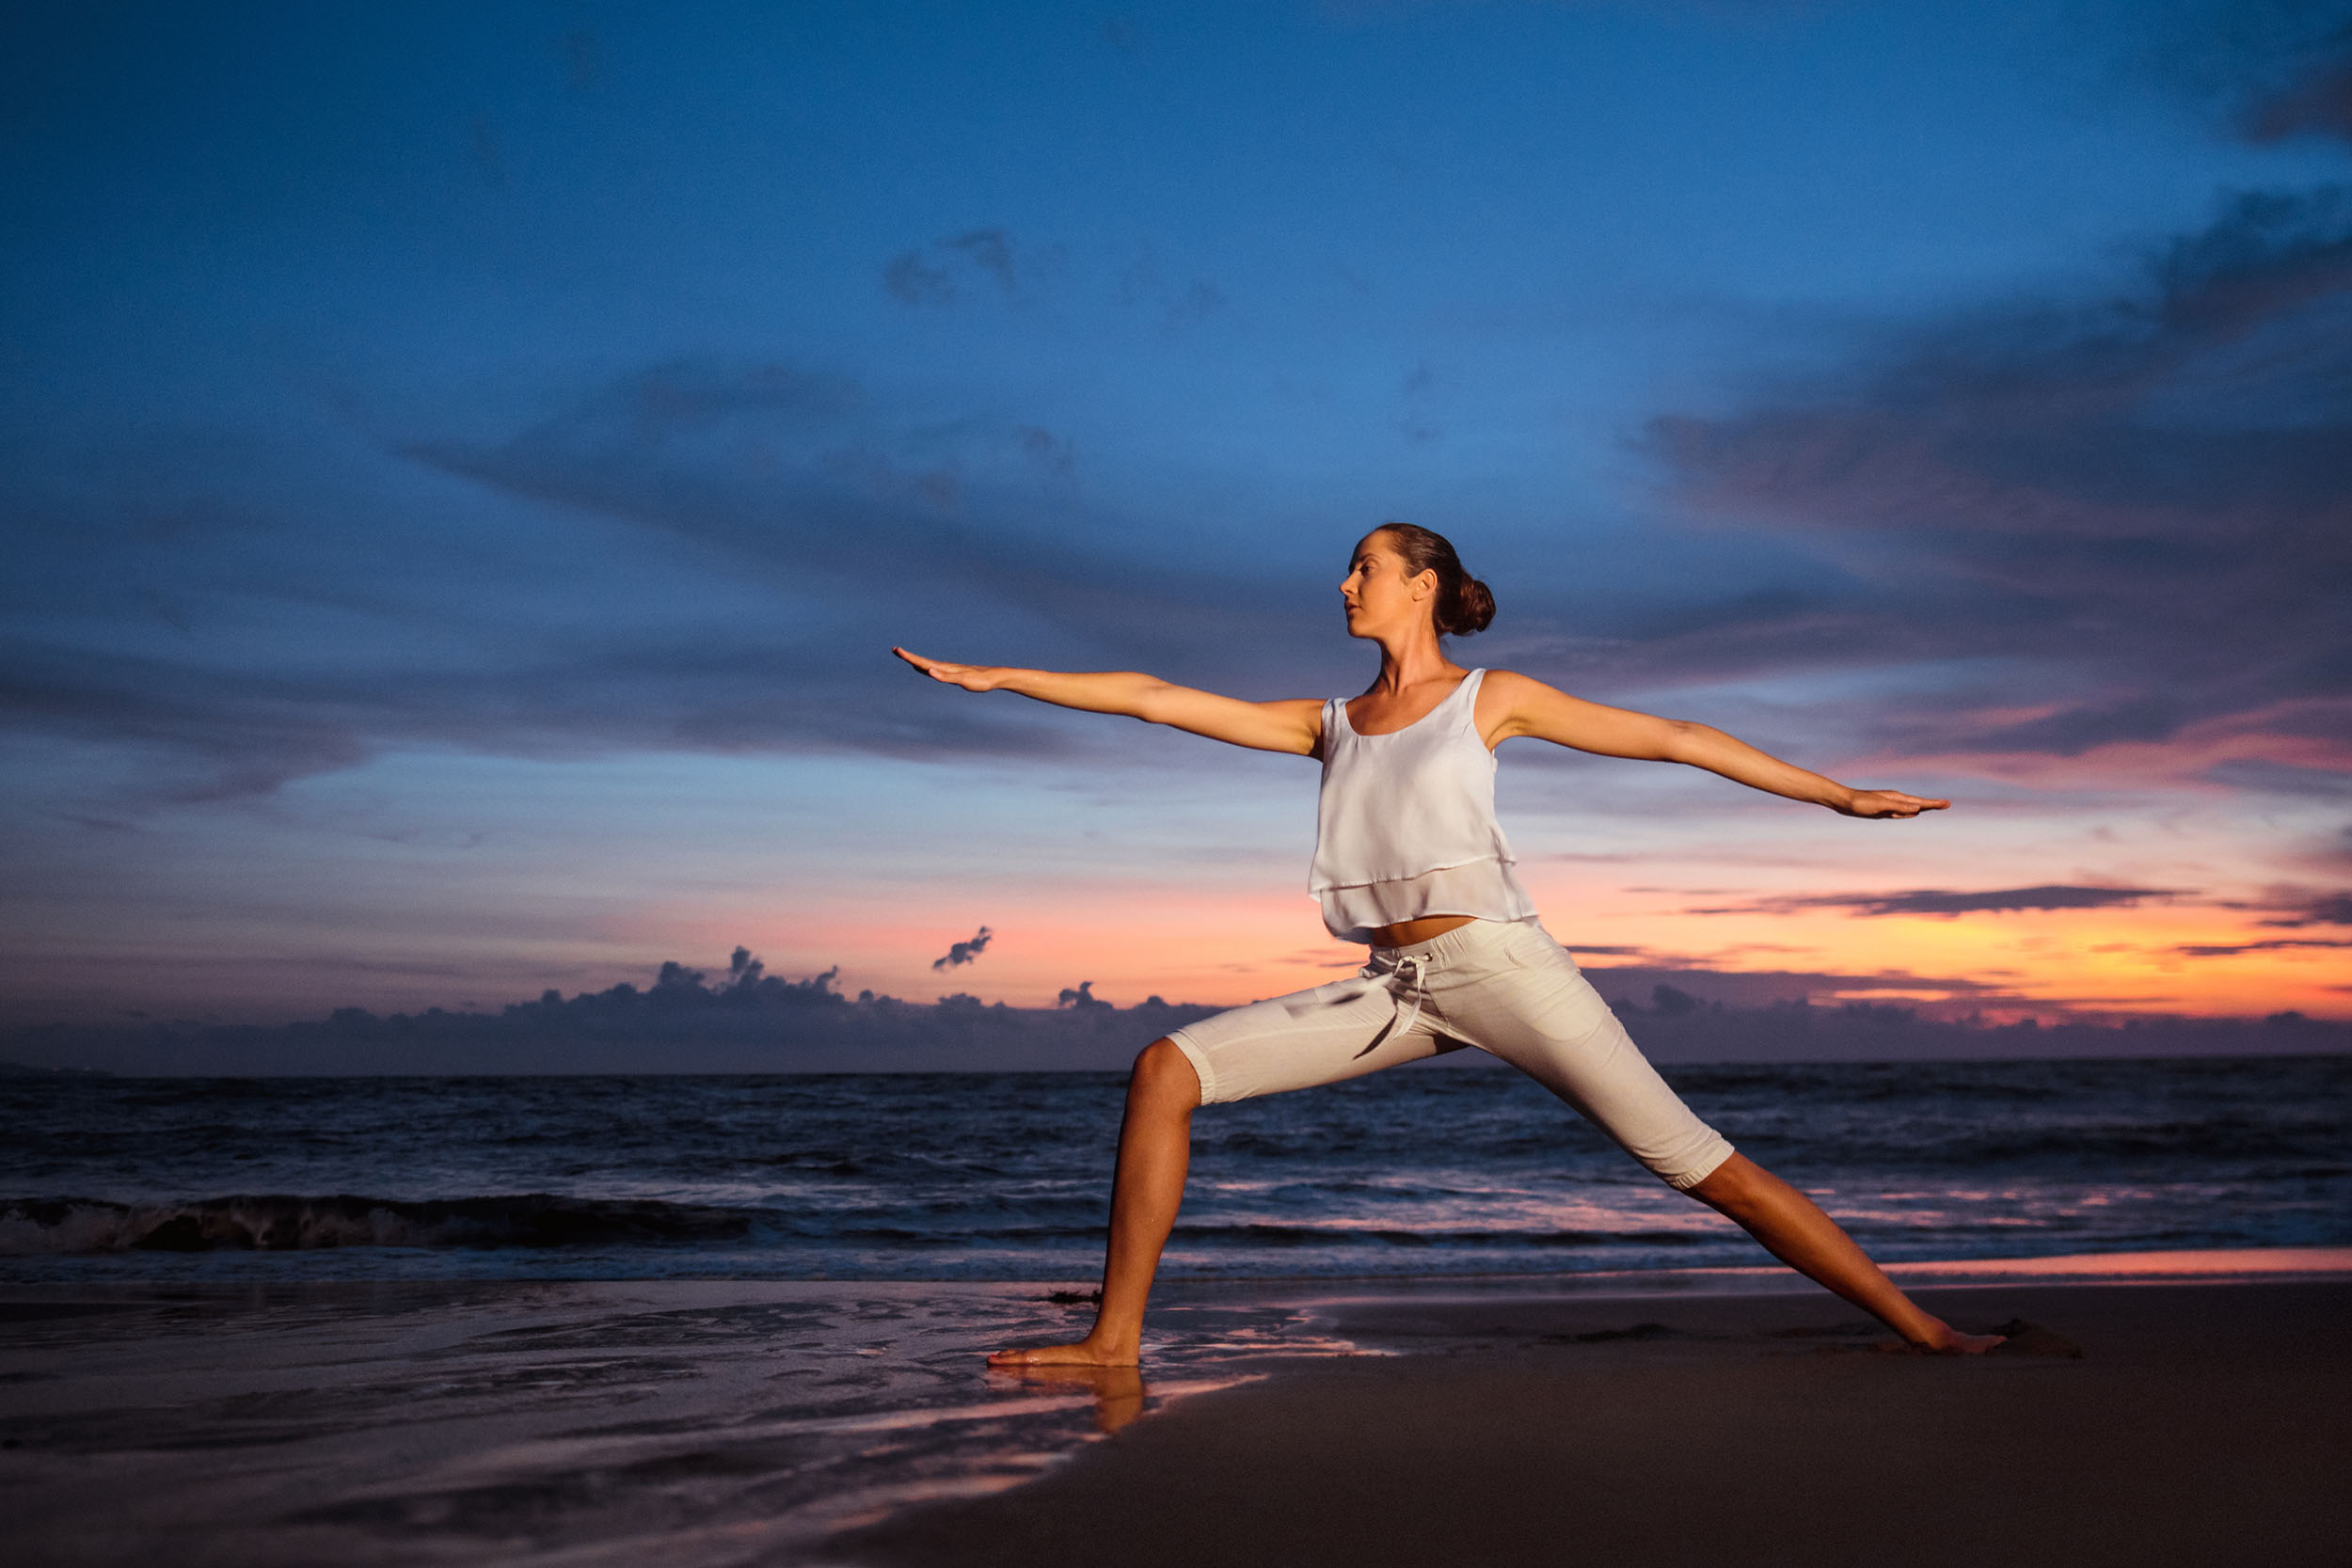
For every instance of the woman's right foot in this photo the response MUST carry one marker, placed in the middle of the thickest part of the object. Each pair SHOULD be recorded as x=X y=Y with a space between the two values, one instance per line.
x=1949 y=1340
x=1086 y=1352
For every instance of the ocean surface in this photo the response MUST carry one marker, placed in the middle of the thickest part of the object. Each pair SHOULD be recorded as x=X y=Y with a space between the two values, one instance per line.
x=1438 y=1170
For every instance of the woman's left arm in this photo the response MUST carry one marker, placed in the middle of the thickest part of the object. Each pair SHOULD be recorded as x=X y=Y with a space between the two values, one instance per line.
x=1529 y=708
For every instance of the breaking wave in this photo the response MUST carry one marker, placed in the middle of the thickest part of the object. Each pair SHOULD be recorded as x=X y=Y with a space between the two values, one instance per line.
x=279 y=1224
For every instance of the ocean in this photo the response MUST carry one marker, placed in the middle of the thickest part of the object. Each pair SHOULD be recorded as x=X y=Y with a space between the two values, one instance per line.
x=1428 y=1171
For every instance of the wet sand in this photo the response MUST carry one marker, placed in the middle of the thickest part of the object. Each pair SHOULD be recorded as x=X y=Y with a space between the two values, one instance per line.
x=2205 y=1424
x=671 y=1422
x=1730 y=1421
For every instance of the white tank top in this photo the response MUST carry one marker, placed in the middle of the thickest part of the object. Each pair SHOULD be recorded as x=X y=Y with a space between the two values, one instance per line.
x=1406 y=824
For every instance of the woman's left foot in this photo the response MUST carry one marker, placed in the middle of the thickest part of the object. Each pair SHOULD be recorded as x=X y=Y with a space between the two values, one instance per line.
x=1086 y=1352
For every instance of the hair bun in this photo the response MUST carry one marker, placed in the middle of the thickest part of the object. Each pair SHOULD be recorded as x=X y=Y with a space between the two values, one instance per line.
x=1474 y=608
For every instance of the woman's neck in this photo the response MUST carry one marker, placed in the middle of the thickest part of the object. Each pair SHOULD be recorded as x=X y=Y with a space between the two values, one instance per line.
x=1409 y=661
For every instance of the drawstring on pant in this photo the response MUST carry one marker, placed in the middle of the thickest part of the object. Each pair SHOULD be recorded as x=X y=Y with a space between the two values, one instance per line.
x=1410 y=964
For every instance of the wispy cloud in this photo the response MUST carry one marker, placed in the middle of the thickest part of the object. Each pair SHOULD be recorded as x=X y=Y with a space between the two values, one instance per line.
x=789 y=526
x=2143 y=506
x=793 y=474
x=2320 y=100
x=2223 y=950
x=2324 y=908
x=930 y=275
x=2271 y=69
x=1145 y=286
x=1943 y=902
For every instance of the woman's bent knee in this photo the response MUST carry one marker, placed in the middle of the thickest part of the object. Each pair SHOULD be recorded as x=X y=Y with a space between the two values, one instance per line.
x=1163 y=1072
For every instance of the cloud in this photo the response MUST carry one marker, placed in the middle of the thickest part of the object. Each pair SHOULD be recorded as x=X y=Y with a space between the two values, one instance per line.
x=778 y=529
x=2319 y=101
x=1957 y=994
x=2114 y=523
x=2223 y=950
x=209 y=733
x=1081 y=998
x=2272 y=69
x=2276 y=777
x=964 y=952
x=915 y=281
x=1939 y=902
x=1048 y=448
x=793 y=474
x=992 y=262
x=750 y=1021
x=929 y=276
x=2292 y=908
x=2326 y=908
x=963 y=1035
x=1145 y=286
x=685 y=1021
x=2134 y=516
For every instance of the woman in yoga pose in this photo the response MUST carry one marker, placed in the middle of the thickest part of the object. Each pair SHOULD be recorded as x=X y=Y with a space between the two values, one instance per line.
x=1408 y=860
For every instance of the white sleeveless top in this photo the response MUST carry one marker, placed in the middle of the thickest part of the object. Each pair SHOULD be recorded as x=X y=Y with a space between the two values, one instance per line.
x=1406 y=824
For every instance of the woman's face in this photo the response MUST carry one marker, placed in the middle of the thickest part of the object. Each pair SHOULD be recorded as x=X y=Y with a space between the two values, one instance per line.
x=1378 y=595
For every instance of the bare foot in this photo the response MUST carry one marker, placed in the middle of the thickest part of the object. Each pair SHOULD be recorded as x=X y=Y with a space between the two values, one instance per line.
x=1952 y=1341
x=1086 y=1352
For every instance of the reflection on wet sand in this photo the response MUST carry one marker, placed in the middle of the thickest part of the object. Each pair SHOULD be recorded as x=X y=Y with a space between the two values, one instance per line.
x=684 y=1422
x=1118 y=1392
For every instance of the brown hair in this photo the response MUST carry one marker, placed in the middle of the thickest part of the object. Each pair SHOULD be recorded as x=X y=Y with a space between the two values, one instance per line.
x=1464 y=604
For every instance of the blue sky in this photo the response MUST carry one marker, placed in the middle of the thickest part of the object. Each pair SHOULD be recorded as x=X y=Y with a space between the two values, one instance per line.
x=464 y=465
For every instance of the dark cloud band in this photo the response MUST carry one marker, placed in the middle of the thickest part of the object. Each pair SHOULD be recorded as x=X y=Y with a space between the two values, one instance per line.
x=1941 y=901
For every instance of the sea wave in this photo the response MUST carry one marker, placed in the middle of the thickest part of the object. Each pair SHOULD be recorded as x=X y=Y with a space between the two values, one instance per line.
x=274 y=1223
x=277 y=1222
x=1006 y=1176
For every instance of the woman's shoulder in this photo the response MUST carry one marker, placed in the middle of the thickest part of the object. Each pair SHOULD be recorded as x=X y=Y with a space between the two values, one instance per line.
x=1519 y=685
x=1503 y=697
x=1507 y=684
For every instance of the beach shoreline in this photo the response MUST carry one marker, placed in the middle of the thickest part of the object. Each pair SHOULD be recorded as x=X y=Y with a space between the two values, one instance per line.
x=718 y=1421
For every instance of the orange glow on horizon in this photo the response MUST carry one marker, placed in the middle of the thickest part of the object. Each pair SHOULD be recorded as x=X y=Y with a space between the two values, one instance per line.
x=1223 y=946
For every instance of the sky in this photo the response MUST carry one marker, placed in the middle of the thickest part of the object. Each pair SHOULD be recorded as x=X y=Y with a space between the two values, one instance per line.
x=463 y=469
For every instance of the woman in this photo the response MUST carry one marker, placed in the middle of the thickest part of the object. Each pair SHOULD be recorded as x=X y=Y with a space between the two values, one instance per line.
x=1408 y=860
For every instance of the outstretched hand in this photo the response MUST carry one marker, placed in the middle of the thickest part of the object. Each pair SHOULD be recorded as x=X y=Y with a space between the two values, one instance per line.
x=1888 y=802
x=972 y=677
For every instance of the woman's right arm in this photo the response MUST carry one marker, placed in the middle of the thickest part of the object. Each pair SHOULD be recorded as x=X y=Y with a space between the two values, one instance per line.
x=1295 y=725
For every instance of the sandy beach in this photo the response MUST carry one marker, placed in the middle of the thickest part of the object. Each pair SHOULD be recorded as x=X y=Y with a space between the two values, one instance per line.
x=1723 y=1418
x=2204 y=1425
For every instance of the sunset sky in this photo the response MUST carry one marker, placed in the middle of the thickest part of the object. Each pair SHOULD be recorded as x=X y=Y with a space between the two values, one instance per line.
x=465 y=466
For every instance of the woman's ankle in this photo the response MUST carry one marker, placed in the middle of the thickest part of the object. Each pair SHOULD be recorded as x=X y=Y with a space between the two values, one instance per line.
x=1126 y=1340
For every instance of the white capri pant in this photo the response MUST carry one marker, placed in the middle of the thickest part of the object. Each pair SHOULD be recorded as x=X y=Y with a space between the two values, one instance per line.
x=1503 y=986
